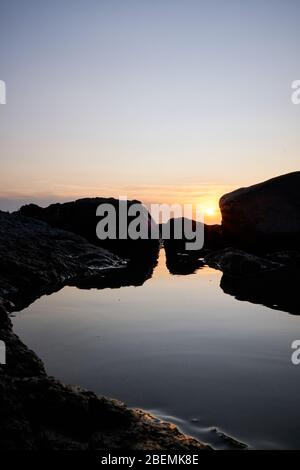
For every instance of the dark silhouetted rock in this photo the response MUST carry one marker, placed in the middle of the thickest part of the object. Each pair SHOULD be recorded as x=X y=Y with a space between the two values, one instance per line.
x=287 y=257
x=213 y=237
x=80 y=217
x=34 y=255
x=239 y=263
x=272 y=280
x=265 y=215
x=179 y=260
x=278 y=289
x=263 y=219
x=182 y=263
x=36 y=411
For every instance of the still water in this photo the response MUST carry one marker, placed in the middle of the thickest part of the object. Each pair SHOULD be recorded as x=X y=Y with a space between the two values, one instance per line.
x=180 y=348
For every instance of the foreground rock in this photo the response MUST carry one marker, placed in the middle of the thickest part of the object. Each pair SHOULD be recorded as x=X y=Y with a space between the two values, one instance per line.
x=264 y=216
x=36 y=411
x=35 y=257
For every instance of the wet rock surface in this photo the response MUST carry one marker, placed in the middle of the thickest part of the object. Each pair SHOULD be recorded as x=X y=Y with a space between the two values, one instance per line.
x=36 y=411
x=34 y=256
x=239 y=263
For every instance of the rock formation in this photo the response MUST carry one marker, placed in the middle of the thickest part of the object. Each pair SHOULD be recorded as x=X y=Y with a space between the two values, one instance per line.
x=264 y=216
x=80 y=217
x=36 y=411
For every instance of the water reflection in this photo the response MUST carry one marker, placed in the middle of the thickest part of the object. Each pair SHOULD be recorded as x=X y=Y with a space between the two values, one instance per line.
x=136 y=273
x=182 y=263
x=176 y=345
x=276 y=290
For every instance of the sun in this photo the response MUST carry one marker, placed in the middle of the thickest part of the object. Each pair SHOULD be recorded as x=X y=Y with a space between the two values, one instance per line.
x=210 y=211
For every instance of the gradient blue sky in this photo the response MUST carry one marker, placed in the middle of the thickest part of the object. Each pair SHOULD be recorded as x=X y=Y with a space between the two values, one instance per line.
x=149 y=98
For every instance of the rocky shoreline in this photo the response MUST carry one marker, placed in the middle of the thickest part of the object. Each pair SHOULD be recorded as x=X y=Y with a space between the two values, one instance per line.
x=42 y=250
x=257 y=246
x=36 y=411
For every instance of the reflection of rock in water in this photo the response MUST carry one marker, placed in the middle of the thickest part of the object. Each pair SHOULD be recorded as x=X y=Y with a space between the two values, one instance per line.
x=278 y=290
x=182 y=263
x=38 y=412
x=179 y=259
x=80 y=218
x=271 y=280
x=262 y=218
x=133 y=274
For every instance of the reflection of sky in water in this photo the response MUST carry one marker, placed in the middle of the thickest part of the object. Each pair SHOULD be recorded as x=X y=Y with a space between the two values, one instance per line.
x=179 y=346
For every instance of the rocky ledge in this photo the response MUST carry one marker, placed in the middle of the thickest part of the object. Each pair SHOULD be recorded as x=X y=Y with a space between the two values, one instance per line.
x=261 y=232
x=263 y=216
x=36 y=411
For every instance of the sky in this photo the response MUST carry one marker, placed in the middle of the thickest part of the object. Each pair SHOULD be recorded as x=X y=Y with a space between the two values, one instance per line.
x=161 y=100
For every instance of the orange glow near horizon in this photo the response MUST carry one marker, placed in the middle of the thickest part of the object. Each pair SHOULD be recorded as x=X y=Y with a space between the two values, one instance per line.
x=206 y=196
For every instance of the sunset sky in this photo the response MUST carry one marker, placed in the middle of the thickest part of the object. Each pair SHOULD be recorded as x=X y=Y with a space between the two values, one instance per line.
x=162 y=100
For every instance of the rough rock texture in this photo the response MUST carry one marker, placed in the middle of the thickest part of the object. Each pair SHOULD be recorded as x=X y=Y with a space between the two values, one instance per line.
x=34 y=256
x=80 y=217
x=237 y=262
x=265 y=215
x=36 y=411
